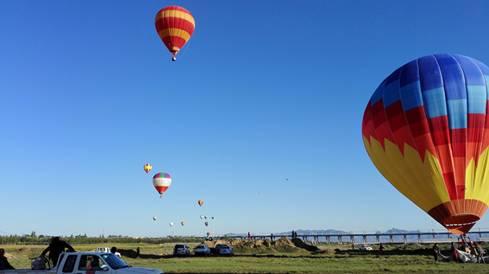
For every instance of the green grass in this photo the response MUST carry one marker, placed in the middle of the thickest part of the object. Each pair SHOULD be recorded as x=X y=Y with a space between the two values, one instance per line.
x=283 y=262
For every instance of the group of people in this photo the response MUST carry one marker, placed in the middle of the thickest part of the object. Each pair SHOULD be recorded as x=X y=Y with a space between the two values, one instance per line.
x=467 y=251
x=53 y=251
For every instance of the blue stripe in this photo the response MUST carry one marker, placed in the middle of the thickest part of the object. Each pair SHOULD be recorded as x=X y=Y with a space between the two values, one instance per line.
x=473 y=74
x=477 y=96
x=453 y=78
x=393 y=76
x=409 y=73
x=457 y=113
x=411 y=96
x=487 y=86
x=377 y=96
x=391 y=93
x=434 y=101
x=430 y=74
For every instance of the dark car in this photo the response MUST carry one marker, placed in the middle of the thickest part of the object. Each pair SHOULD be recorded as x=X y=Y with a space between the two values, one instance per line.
x=223 y=250
x=181 y=250
x=202 y=250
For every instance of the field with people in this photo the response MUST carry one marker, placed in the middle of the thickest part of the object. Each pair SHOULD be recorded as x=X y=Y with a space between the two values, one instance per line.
x=259 y=257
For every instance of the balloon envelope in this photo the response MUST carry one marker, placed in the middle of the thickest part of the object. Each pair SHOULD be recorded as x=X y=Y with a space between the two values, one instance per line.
x=424 y=128
x=147 y=168
x=175 y=25
x=161 y=182
x=200 y=202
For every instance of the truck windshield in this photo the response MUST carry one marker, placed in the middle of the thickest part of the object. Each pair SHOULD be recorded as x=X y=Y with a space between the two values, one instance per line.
x=114 y=261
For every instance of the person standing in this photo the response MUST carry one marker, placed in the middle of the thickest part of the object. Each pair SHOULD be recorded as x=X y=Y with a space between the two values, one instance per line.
x=55 y=248
x=436 y=251
x=4 y=264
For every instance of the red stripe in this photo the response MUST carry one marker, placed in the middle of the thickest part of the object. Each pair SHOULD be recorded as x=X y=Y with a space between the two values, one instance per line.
x=174 y=22
x=161 y=189
x=174 y=41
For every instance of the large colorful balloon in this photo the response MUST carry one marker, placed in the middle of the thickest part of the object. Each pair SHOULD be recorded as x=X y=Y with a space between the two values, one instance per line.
x=147 y=168
x=426 y=129
x=175 y=26
x=161 y=182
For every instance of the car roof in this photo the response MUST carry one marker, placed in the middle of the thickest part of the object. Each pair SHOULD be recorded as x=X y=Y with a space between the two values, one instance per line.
x=87 y=253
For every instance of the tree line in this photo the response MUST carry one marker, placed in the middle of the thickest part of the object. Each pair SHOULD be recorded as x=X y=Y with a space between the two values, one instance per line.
x=34 y=239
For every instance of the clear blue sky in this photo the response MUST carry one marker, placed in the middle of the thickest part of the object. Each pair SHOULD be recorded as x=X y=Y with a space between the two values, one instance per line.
x=264 y=91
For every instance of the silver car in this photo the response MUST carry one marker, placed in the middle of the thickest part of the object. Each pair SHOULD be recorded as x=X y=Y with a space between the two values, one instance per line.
x=181 y=250
x=224 y=250
x=202 y=250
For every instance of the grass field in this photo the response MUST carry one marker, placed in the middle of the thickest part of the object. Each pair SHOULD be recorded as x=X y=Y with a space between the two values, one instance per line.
x=287 y=262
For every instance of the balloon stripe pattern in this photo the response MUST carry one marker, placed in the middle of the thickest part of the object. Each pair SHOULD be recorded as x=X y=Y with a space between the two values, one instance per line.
x=426 y=130
x=161 y=182
x=175 y=25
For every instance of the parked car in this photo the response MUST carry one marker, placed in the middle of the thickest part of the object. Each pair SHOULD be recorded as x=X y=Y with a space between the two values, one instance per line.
x=77 y=262
x=202 y=250
x=223 y=250
x=181 y=250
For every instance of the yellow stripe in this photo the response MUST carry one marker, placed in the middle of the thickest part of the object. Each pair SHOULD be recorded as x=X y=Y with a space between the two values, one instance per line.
x=175 y=32
x=177 y=14
x=420 y=181
x=476 y=179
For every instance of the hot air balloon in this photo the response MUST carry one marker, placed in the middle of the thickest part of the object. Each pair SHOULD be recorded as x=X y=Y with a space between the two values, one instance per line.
x=182 y=223
x=206 y=223
x=154 y=218
x=200 y=202
x=424 y=128
x=175 y=26
x=161 y=182
x=171 y=224
x=147 y=168
x=201 y=217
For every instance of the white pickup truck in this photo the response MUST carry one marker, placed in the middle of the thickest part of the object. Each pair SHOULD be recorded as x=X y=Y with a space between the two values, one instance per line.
x=88 y=262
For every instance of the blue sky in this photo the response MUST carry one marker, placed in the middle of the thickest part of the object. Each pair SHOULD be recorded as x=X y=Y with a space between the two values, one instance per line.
x=264 y=91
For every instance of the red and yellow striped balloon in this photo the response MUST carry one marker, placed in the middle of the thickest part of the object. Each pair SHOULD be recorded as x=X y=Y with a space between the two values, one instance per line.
x=175 y=26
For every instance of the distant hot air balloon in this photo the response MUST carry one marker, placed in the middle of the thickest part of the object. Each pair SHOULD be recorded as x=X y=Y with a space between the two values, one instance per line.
x=426 y=129
x=171 y=224
x=147 y=168
x=175 y=26
x=182 y=223
x=212 y=218
x=161 y=182
x=205 y=217
x=200 y=202
x=154 y=218
x=206 y=223
x=201 y=217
